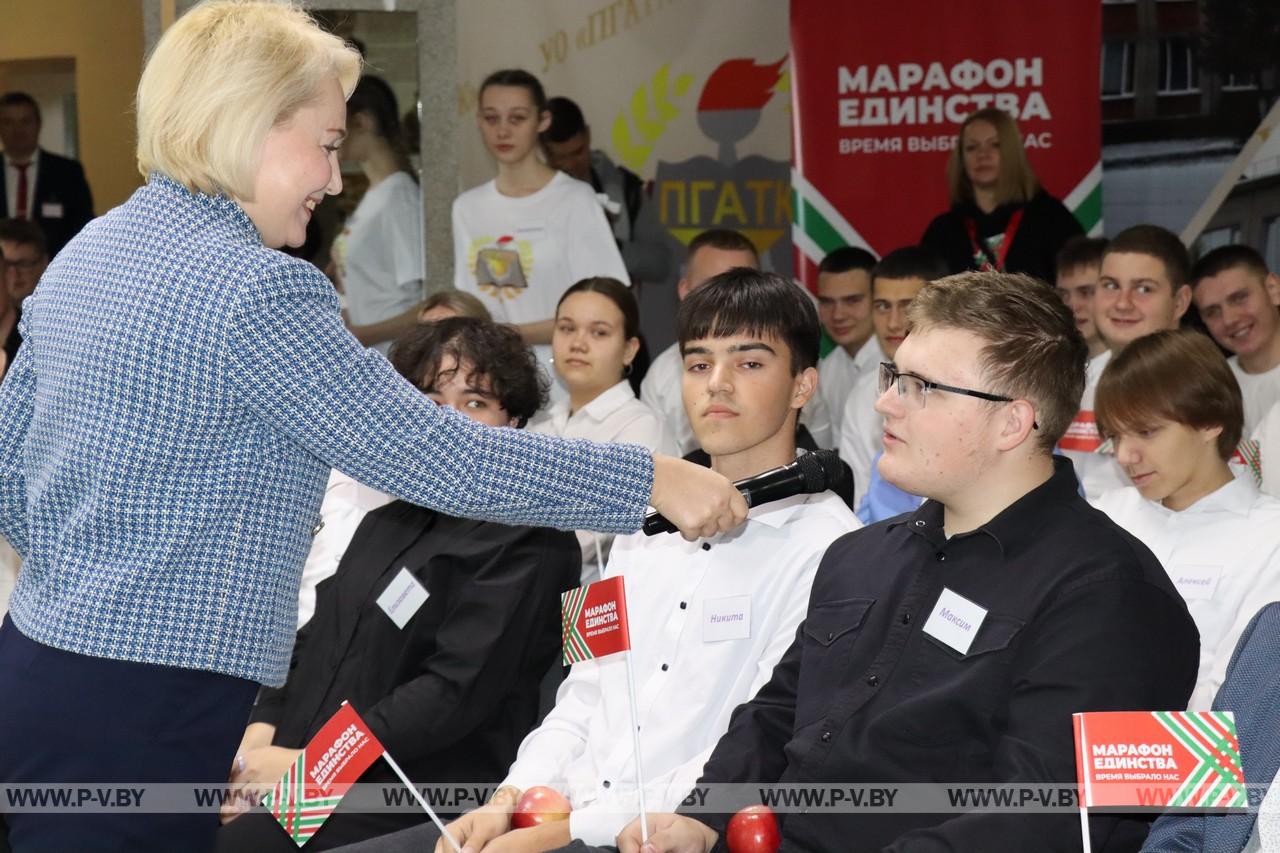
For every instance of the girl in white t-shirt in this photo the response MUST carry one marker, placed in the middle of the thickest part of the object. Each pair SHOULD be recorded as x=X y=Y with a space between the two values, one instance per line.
x=378 y=257
x=595 y=341
x=522 y=238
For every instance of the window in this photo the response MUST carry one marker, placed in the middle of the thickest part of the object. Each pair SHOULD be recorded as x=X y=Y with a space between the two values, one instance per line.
x=1240 y=80
x=1271 y=251
x=1179 y=70
x=1117 y=69
x=1215 y=237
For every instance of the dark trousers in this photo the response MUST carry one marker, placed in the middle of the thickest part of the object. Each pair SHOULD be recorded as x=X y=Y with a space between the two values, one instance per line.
x=72 y=719
x=422 y=839
x=256 y=831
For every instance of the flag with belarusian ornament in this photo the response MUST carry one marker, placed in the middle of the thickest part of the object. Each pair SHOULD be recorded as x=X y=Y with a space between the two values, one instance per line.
x=1159 y=759
x=593 y=620
x=324 y=771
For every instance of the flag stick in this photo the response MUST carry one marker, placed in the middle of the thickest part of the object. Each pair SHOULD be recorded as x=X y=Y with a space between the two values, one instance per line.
x=435 y=818
x=635 y=737
x=1084 y=829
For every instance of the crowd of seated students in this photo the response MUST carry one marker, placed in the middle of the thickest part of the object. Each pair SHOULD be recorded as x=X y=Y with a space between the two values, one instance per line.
x=837 y=680
x=1096 y=486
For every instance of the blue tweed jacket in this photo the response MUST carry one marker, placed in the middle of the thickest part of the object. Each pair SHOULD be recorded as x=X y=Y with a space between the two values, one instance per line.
x=1252 y=690
x=168 y=424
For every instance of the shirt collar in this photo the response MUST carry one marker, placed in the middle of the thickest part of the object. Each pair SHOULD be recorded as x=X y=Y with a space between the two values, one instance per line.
x=870 y=354
x=609 y=402
x=220 y=205
x=1236 y=496
x=34 y=162
x=1015 y=525
x=776 y=513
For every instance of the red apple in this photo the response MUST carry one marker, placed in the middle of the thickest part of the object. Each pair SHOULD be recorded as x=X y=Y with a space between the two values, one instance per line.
x=539 y=805
x=753 y=830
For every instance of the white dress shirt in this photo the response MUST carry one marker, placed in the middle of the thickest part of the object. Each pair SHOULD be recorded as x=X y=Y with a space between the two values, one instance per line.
x=614 y=416
x=687 y=681
x=838 y=375
x=346 y=503
x=661 y=391
x=862 y=432
x=1223 y=555
x=10 y=562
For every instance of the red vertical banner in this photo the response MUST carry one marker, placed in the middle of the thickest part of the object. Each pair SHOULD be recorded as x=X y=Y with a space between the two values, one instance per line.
x=879 y=92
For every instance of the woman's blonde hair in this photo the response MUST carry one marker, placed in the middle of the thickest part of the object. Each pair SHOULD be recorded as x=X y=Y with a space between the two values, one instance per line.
x=220 y=78
x=1016 y=183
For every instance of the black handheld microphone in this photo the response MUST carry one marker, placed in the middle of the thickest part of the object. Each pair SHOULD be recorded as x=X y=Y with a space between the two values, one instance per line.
x=809 y=474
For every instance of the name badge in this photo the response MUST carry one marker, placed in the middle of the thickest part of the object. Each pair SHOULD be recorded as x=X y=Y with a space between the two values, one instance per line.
x=726 y=619
x=402 y=598
x=955 y=621
x=51 y=210
x=1196 y=583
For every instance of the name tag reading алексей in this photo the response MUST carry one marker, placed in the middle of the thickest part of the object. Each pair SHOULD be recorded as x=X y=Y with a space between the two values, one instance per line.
x=955 y=621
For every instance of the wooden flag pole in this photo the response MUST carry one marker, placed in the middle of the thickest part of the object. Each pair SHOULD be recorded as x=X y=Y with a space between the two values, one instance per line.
x=431 y=813
x=635 y=736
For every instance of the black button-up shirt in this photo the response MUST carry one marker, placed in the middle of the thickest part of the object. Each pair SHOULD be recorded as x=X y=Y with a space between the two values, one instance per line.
x=453 y=692
x=1080 y=617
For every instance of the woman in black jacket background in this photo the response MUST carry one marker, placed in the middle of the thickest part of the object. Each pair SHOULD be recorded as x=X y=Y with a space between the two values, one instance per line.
x=1000 y=216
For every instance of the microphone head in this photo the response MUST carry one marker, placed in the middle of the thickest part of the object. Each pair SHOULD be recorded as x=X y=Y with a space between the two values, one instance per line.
x=822 y=469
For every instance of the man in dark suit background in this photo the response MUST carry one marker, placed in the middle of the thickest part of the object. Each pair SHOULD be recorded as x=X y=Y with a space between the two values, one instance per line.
x=35 y=184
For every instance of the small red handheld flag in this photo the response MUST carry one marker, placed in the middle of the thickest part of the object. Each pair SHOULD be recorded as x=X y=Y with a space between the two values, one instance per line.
x=311 y=789
x=1159 y=759
x=593 y=620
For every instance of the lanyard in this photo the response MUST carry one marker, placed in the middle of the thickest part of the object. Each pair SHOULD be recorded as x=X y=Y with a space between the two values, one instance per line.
x=982 y=254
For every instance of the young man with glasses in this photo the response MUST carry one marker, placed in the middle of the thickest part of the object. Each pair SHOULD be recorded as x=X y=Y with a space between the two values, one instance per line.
x=24 y=254
x=952 y=645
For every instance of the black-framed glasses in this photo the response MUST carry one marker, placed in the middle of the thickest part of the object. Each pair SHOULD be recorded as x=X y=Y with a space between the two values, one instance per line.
x=913 y=390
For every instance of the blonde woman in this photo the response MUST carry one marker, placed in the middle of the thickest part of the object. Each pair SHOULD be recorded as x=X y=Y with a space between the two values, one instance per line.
x=168 y=424
x=1000 y=216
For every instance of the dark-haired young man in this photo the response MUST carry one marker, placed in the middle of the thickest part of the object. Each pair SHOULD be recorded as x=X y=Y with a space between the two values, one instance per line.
x=1142 y=288
x=567 y=142
x=436 y=629
x=1237 y=297
x=24 y=254
x=712 y=252
x=716 y=614
x=1079 y=263
x=953 y=644
x=844 y=307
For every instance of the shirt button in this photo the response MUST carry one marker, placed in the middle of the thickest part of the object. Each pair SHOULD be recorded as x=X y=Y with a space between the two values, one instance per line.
x=906 y=618
x=706 y=546
x=919 y=524
x=684 y=605
x=942 y=558
x=831 y=635
x=665 y=667
x=606 y=783
x=826 y=737
x=873 y=680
